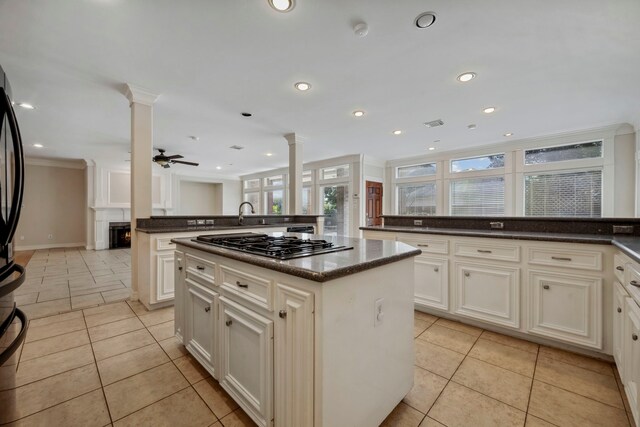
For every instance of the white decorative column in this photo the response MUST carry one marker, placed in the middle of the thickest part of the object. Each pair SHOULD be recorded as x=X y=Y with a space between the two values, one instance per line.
x=141 y=103
x=295 y=173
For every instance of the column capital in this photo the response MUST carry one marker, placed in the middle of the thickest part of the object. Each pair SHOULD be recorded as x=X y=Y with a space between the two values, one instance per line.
x=293 y=138
x=139 y=95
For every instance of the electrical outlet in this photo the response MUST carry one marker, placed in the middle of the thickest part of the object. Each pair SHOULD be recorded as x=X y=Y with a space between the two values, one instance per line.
x=377 y=312
x=50 y=236
x=417 y=222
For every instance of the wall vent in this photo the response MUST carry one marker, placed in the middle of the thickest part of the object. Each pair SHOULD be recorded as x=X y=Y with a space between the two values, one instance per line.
x=236 y=147
x=434 y=123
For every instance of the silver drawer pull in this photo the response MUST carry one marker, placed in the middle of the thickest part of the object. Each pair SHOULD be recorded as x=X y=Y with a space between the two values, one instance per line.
x=241 y=285
x=282 y=314
x=228 y=322
x=436 y=269
x=620 y=268
x=634 y=283
x=545 y=286
x=467 y=274
x=423 y=245
x=619 y=310
x=207 y=309
x=484 y=251
x=199 y=267
x=559 y=258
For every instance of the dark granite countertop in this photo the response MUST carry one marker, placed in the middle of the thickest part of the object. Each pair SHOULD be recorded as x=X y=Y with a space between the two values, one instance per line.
x=153 y=230
x=630 y=245
x=365 y=255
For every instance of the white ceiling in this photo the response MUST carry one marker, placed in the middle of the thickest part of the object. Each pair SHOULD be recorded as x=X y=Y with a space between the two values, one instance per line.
x=547 y=67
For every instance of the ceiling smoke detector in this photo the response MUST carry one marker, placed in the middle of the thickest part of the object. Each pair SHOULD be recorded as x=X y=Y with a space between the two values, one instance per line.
x=236 y=147
x=434 y=123
x=425 y=20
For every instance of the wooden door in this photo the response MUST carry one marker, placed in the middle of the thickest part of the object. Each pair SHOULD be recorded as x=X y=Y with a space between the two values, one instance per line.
x=374 y=203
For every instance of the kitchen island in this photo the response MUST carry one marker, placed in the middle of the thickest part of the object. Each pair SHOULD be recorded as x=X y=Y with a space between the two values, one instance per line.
x=322 y=340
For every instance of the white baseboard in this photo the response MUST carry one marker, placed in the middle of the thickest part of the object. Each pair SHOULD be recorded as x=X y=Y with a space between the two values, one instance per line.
x=50 y=246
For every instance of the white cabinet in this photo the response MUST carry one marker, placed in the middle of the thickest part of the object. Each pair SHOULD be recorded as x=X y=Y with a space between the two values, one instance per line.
x=566 y=307
x=179 y=276
x=487 y=292
x=294 y=347
x=246 y=359
x=165 y=275
x=631 y=349
x=432 y=282
x=619 y=312
x=201 y=312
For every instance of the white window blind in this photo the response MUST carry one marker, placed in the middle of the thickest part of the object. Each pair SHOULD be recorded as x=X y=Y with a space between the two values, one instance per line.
x=417 y=199
x=568 y=194
x=477 y=197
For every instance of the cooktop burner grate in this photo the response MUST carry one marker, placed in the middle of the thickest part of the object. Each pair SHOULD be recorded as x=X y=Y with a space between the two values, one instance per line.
x=280 y=247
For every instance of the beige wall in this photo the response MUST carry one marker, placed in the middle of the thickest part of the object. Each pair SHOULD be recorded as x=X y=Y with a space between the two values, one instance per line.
x=200 y=198
x=54 y=204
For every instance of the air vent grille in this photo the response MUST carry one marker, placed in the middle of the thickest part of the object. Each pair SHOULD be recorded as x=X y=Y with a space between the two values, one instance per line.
x=236 y=147
x=434 y=123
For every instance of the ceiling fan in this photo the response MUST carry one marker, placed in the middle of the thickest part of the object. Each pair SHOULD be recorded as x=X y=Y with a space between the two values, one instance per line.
x=167 y=161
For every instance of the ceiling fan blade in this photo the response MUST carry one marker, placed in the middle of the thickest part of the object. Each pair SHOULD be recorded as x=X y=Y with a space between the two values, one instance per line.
x=175 y=156
x=185 y=163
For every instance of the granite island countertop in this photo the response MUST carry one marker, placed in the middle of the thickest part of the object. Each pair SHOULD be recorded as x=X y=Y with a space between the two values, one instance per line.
x=365 y=255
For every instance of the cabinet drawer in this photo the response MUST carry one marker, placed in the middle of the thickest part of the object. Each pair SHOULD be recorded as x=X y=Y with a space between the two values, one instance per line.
x=432 y=246
x=201 y=270
x=164 y=244
x=488 y=251
x=632 y=281
x=619 y=266
x=581 y=260
x=251 y=288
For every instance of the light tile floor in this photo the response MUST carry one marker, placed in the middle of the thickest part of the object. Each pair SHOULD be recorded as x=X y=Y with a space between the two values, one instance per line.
x=65 y=279
x=119 y=364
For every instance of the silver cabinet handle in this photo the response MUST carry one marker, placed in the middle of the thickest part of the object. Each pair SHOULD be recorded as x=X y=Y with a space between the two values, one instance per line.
x=207 y=309
x=423 y=245
x=282 y=314
x=559 y=258
x=619 y=310
x=241 y=285
x=467 y=274
x=634 y=337
x=228 y=322
x=634 y=283
x=199 y=267
x=545 y=286
x=436 y=269
x=484 y=251
x=620 y=268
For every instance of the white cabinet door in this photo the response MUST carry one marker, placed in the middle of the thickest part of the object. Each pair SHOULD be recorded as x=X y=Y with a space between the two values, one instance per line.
x=246 y=360
x=489 y=293
x=432 y=282
x=619 y=307
x=566 y=307
x=165 y=277
x=201 y=314
x=631 y=348
x=180 y=285
x=294 y=338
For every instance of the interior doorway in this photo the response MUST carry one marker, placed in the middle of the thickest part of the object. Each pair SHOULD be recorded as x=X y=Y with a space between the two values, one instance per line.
x=374 y=203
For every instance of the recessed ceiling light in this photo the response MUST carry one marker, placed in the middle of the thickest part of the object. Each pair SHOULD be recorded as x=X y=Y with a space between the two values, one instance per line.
x=269 y=154
x=432 y=148
x=282 y=5
x=358 y=113
x=397 y=132
x=489 y=110
x=26 y=106
x=471 y=126
x=465 y=77
x=38 y=145
x=508 y=134
x=218 y=167
x=425 y=20
x=302 y=86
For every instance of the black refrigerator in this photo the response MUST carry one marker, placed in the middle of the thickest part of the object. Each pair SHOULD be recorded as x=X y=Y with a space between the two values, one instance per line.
x=13 y=322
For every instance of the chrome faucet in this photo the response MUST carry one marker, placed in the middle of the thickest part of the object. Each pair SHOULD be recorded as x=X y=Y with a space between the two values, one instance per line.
x=240 y=216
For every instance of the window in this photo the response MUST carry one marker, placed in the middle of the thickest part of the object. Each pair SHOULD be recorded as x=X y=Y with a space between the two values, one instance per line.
x=586 y=150
x=254 y=199
x=274 y=202
x=336 y=208
x=335 y=172
x=417 y=199
x=568 y=194
x=307 y=177
x=274 y=181
x=306 y=201
x=251 y=184
x=477 y=197
x=416 y=170
x=477 y=163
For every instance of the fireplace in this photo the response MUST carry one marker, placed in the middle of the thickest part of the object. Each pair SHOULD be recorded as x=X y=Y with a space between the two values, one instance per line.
x=119 y=235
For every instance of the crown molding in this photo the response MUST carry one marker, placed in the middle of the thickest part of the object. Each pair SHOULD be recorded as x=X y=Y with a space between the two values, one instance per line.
x=55 y=163
x=140 y=95
x=293 y=138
